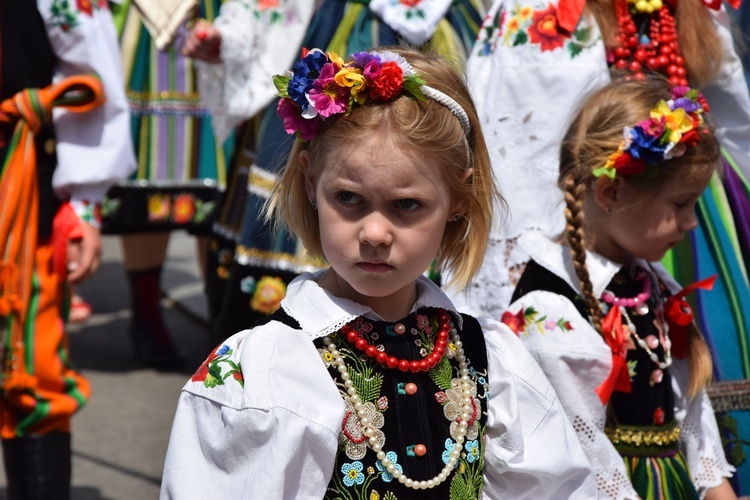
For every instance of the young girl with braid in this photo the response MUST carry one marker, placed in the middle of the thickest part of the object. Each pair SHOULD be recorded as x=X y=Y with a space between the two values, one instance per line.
x=607 y=324
x=367 y=383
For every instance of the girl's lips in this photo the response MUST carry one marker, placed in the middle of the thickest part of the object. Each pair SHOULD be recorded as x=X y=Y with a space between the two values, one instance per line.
x=375 y=267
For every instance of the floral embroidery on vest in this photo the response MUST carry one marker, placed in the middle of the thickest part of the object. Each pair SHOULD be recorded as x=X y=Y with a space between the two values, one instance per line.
x=358 y=474
x=526 y=319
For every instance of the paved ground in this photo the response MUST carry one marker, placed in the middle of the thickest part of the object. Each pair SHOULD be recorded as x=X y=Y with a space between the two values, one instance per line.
x=120 y=437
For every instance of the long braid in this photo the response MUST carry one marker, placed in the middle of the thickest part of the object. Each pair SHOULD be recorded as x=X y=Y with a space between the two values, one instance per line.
x=575 y=194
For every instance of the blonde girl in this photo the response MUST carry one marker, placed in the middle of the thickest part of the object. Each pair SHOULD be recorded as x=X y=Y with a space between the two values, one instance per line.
x=367 y=383
x=606 y=323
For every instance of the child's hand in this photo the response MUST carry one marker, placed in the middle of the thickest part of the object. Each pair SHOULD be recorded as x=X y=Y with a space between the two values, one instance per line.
x=203 y=42
x=83 y=254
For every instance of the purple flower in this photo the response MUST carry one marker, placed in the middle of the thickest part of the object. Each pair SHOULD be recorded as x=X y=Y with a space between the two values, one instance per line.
x=294 y=122
x=362 y=59
x=689 y=105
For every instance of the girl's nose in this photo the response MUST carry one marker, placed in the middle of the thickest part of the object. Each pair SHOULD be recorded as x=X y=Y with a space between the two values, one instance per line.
x=376 y=230
x=690 y=223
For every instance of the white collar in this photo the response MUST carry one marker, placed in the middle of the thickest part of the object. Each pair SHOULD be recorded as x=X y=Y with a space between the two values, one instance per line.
x=557 y=259
x=321 y=313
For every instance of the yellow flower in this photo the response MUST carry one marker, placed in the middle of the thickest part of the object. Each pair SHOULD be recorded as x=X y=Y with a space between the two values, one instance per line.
x=525 y=13
x=512 y=25
x=268 y=294
x=676 y=122
x=352 y=77
x=335 y=59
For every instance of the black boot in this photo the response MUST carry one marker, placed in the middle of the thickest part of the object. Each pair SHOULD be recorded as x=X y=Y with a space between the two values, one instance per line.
x=152 y=344
x=38 y=467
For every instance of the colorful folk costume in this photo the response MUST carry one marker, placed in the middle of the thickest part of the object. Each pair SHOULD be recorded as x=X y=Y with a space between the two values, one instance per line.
x=655 y=441
x=293 y=408
x=250 y=265
x=530 y=68
x=62 y=146
x=181 y=168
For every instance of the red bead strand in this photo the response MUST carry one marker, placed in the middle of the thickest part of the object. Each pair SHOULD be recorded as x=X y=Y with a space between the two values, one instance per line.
x=661 y=54
x=425 y=364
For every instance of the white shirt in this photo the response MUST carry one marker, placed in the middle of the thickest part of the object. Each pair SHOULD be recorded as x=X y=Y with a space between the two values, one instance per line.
x=94 y=149
x=577 y=361
x=277 y=437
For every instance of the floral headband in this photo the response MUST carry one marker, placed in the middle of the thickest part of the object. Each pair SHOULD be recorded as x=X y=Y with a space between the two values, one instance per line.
x=321 y=85
x=670 y=130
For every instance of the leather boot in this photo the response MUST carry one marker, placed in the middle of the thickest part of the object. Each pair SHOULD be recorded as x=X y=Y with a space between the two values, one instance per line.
x=37 y=467
x=152 y=344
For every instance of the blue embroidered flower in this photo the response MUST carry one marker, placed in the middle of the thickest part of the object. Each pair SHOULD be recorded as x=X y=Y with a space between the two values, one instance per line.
x=482 y=381
x=387 y=476
x=353 y=473
x=222 y=350
x=472 y=450
x=449 y=445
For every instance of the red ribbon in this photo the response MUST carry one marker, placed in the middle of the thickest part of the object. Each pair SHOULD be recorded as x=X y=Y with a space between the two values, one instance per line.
x=568 y=14
x=619 y=377
x=679 y=315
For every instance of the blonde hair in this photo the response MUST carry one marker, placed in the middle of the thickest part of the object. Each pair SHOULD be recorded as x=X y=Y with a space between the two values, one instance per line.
x=698 y=38
x=426 y=128
x=594 y=134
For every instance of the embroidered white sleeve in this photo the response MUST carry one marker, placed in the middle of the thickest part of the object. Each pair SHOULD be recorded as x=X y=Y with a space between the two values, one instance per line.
x=700 y=441
x=257 y=43
x=531 y=450
x=576 y=360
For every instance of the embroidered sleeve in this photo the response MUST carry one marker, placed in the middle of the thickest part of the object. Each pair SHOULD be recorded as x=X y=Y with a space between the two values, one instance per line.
x=700 y=441
x=259 y=40
x=531 y=447
x=576 y=361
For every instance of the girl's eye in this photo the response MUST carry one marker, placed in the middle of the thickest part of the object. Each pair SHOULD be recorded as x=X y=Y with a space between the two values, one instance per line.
x=408 y=204
x=347 y=198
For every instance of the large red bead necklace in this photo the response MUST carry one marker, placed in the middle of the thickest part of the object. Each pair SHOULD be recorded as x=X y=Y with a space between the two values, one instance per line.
x=657 y=51
x=425 y=364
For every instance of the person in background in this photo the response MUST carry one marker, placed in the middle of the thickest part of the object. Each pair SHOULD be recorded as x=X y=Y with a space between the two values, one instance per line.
x=181 y=174
x=605 y=321
x=63 y=141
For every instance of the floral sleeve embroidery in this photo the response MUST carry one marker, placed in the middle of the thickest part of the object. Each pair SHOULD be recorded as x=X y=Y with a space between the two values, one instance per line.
x=212 y=373
x=526 y=319
x=65 y=16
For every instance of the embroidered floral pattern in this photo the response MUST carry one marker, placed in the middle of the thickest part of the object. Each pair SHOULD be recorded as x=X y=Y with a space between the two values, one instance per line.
x=362 y=475
x=537 y=26
x=212 y=373
x=90 y=213
x=525 y=319
x=268 y=294
x=182 y=208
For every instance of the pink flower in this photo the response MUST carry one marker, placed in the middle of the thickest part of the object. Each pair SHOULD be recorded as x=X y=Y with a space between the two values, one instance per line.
x=328 y=97
x=294 y=122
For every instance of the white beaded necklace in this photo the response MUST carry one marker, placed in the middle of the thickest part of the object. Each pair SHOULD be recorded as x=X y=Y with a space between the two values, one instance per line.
x=466 y=413
x=651 y=354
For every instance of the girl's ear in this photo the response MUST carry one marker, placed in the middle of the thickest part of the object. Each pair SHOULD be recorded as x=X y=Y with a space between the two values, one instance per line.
x=460 y=207
x=304 y=160
x=607 y=192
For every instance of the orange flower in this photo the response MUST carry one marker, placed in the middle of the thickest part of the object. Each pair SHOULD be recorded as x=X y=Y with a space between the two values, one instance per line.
x=268 y=4
x=544 y=29
x=514 y=321
x=85 y=6
x=410 y=3
x=183 y=209
x=159 y=206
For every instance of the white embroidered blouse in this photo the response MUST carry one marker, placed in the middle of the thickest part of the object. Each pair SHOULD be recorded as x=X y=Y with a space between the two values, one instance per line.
x=94 y=149
x=277 y=435
x=577 y=360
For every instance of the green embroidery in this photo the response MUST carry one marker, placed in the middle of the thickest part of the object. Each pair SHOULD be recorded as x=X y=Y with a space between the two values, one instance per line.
x=62 y=15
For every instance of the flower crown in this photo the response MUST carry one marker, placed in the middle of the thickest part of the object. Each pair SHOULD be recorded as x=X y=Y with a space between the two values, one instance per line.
x=670 y=130
x=321 y=85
